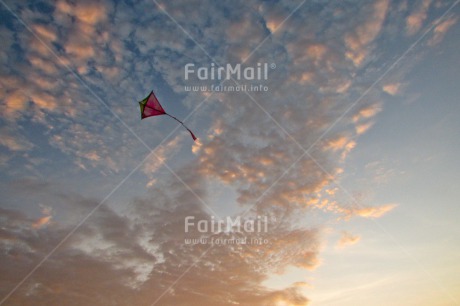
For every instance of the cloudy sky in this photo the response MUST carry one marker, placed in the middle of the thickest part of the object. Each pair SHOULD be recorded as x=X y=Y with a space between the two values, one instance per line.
x=350 y=152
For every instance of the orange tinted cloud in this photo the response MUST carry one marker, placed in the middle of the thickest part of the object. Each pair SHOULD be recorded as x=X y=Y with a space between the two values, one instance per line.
x=441 y=29
x=362 y=128
x=41 y=222
x=367 y=112
x=391 y=89
x=347 y=239
x=15 y=101
x=46 y=33
x=359 y=40
x=370 y=212
x=415 y=20
x=87 y=12
x=14 y=142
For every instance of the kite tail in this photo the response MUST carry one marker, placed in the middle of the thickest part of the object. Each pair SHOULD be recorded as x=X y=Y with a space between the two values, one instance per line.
x=191 y=133
x=193 y=136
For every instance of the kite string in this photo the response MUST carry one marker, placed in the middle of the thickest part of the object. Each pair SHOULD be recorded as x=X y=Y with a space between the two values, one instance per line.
x=175 y=119
x=179 y=122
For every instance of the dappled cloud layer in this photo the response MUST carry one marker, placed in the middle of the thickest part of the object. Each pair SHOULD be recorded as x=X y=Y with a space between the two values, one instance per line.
x=69 y=81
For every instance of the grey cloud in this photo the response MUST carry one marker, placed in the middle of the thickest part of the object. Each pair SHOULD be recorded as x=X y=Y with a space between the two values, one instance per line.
x=114 y=259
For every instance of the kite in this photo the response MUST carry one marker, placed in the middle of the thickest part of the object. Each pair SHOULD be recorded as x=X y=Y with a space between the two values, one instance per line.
x=150 y=106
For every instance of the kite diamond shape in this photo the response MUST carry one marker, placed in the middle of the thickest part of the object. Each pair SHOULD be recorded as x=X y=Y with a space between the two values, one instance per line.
x=150 y=107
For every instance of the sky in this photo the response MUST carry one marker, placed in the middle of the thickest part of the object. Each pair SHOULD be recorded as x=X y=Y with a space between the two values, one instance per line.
x=348 y=152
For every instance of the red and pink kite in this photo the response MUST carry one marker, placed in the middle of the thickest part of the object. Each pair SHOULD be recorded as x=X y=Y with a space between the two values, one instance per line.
x=150 y=106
